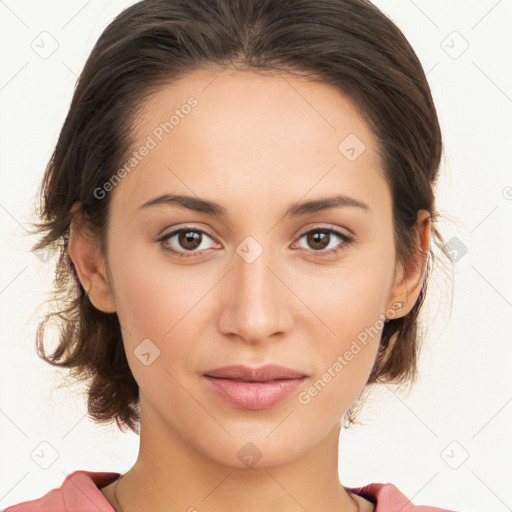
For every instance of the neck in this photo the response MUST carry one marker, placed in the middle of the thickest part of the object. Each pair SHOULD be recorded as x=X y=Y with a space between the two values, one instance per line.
x=172 y=474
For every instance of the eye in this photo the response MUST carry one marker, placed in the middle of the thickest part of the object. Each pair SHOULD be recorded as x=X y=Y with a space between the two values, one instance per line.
x=320 y=238
x=183 y=241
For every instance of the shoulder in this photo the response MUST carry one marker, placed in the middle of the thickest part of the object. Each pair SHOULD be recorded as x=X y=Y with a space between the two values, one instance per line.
x=387 y=498
x=79 y=491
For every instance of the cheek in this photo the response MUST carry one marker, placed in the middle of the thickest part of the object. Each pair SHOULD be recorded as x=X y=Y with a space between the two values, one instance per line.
x=344 y=358
x=341 y=381
x=155 y=308
x=163 y=303
x=350 y=310
x=152 y=295
x=348 y=298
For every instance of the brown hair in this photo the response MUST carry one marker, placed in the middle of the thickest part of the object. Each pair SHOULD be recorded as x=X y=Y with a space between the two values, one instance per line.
x=349 y=44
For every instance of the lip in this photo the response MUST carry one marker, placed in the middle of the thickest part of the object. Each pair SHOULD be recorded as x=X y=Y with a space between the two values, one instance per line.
x=260 y=374
x=254 y=388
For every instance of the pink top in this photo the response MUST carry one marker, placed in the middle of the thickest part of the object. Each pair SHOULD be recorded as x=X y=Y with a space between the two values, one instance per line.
x=80 y=492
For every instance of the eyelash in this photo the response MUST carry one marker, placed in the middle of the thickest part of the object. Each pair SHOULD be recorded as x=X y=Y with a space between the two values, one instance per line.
x=347 y=240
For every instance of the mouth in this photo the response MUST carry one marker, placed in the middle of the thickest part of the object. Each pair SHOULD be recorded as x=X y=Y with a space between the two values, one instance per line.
x=266 y=373
x=250 y=381
x=254 y=388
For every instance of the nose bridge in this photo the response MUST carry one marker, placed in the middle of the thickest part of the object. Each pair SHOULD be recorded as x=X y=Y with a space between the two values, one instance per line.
x=254 y=281
x=256 y=307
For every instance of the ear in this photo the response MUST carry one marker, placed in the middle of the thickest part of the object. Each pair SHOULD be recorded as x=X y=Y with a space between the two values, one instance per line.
x=409 y=277
x=84 y=251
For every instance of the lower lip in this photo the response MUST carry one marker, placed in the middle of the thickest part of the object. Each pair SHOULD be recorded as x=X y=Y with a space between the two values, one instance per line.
x=254 y=395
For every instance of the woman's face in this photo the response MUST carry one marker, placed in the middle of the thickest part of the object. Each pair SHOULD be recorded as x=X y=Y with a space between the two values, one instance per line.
x=260 y=283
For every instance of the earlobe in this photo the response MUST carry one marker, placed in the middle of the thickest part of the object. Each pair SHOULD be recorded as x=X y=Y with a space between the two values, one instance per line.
x=409 y=281
x=84 y=251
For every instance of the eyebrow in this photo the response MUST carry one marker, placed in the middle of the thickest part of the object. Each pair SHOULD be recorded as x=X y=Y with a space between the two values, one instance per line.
x=215 y=209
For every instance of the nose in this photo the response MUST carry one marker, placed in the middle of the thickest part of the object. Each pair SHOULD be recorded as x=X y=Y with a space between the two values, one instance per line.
x=255 y=300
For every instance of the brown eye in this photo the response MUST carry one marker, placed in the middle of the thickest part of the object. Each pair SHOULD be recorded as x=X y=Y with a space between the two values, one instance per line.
x=189 y=240
x=185 y=242
x=318 y=239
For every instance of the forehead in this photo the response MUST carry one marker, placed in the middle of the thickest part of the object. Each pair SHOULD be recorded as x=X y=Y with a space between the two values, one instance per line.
x=247 y=104
x=246 y=133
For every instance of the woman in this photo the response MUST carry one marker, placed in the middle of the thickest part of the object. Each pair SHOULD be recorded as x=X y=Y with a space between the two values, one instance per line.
x=243 y=192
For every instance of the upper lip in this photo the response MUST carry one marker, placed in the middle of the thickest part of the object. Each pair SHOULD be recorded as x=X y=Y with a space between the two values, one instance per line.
x=261 y=374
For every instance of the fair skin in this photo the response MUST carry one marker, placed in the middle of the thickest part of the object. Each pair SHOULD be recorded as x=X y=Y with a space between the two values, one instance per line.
x=255 y=145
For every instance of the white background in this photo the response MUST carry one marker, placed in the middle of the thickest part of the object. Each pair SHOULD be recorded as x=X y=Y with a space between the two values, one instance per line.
x=461 y=406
